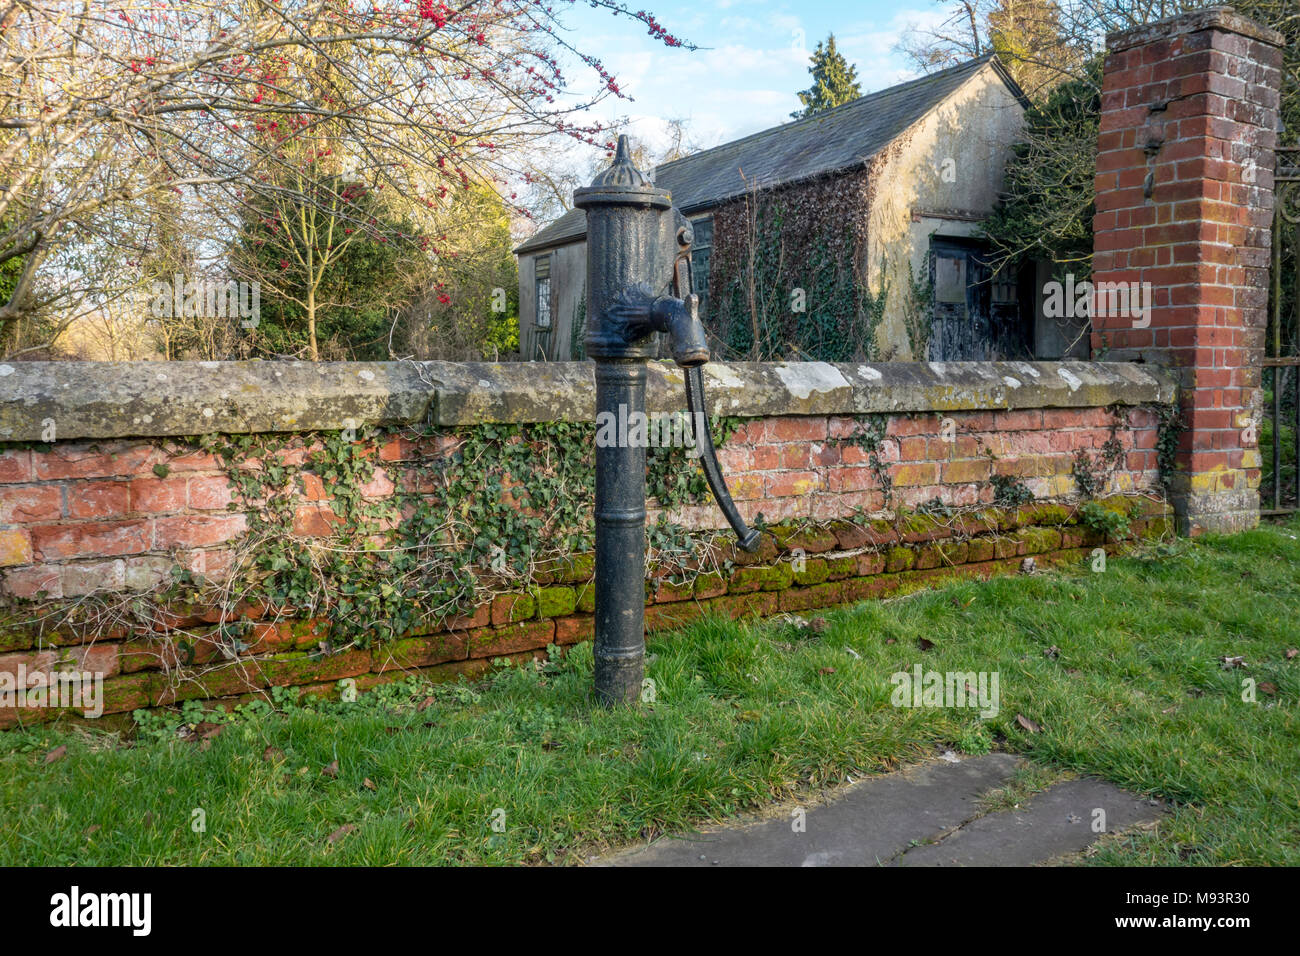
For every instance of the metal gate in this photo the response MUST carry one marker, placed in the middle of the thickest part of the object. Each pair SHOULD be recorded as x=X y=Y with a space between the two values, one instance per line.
x=1282 y=479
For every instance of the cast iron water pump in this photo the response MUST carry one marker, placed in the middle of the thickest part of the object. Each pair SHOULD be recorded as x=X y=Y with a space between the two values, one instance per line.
x=638 y=284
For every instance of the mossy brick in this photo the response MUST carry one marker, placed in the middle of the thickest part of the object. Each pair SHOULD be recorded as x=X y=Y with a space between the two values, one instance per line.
x=1006 y=546
x=772 y=577
x=998 y=519
x=413 y=652
x=1119 y=504
x=899 y=559
x=129 y=692
x=586 y=600
x=980 y=549
x=798 y=536
x=479 y=616
x=866 y=588
x=570 y=569
x=1156 y=527
x=765 y=553
x=20 y=631
x=665 y=591
x=917 y=528
x=758 y=604
x=710 y=584
x=170 y=652
x=845 y=566
x=509 y=608
x=815 y=571
x=849 y=536
x=289 y=670
x=668 y=617
x=308 y=632
x=1073 y=537
x=226 y=681
x=511 y=638
x=555 y=601
x=817 y=596
x=975 y=523
x=1038 y=540
x=871 y=562
x=940 y=554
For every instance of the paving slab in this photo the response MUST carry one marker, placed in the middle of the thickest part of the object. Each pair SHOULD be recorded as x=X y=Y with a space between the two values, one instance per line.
x=1053 y=823
x=867 y=824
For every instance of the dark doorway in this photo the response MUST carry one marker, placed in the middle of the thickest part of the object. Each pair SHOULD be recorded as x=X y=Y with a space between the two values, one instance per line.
x=977 y=317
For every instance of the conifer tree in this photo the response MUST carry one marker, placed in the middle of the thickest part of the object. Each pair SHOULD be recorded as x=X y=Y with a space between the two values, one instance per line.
x=835 y=81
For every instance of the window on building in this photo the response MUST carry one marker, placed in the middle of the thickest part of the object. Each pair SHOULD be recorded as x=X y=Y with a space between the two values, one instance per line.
x=542 y=278
x=701 y=249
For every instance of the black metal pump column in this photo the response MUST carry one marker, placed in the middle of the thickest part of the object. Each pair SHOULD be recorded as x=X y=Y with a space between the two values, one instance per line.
x=634 y=237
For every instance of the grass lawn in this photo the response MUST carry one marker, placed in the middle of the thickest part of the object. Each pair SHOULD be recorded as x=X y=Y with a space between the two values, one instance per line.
x=1120 y=670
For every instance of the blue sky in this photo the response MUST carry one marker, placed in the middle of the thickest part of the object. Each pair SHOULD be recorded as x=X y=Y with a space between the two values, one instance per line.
x=754 y=61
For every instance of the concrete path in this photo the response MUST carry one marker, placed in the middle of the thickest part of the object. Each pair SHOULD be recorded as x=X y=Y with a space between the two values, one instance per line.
x=929 y=815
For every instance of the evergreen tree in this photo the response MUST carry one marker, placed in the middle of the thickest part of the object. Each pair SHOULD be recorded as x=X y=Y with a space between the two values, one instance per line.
x=835 y=81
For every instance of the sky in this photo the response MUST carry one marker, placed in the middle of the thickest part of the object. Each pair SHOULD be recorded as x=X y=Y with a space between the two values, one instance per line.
x=753 y=59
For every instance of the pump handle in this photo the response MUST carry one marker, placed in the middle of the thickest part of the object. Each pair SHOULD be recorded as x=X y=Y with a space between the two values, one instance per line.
x=699 y=416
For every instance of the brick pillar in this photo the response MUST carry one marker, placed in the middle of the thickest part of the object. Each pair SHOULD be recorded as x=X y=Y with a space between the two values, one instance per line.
x=1185 y=203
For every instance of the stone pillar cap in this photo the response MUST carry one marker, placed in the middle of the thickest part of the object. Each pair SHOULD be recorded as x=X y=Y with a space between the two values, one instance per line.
x=1210 y=18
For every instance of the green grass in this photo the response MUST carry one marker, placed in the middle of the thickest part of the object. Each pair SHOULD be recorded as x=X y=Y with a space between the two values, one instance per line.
x=745 y=713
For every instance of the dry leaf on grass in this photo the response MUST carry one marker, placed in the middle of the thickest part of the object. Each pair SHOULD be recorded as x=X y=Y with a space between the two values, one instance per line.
x=1028 y=724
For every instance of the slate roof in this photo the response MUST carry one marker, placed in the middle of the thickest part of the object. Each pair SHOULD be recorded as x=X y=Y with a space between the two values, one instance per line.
x=841 y=138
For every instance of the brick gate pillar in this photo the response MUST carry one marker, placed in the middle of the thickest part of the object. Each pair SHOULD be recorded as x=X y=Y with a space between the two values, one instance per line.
x=1184 y=190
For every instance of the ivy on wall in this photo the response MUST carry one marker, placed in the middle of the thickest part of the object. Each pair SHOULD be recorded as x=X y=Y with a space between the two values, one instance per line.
x=786 y=267
x=476 y=514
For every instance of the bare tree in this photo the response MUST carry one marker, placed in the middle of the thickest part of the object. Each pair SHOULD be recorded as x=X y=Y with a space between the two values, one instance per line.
x=103 y=105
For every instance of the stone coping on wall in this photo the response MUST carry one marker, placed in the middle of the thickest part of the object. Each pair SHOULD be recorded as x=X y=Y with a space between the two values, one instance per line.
x=49 y=401
x=1208 y=18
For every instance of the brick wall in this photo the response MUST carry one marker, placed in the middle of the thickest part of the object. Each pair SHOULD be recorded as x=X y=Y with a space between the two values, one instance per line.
x=1184 y=189
x=112 y=518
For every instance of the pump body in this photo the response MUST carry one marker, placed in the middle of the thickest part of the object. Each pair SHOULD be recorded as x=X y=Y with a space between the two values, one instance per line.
x=638 y=277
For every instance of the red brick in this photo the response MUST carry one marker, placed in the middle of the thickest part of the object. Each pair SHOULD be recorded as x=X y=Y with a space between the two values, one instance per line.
x=91 y=539
x=15 y=465
x=794 y=484
x=197 y=531
x=155 y=495
x=209 y=493
x=315 y=521
x=82 y=461
x=24 y=504
x=573 y=630
x=511 y=639
x=30 y=583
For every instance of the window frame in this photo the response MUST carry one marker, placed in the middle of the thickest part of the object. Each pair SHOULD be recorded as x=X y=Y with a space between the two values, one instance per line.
x=542 y=314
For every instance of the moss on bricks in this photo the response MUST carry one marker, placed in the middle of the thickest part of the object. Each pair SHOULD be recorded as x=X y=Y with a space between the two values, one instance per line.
x=774 y=577
x=842 y=567
x=899 y=559
x=1038 y=540
x=510 y=608
x=572 y=569
x=815 y=571
x=555 y=601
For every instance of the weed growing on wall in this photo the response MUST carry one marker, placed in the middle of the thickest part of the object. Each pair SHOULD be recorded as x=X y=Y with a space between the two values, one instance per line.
x=869 y=435
x=1092 y=472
